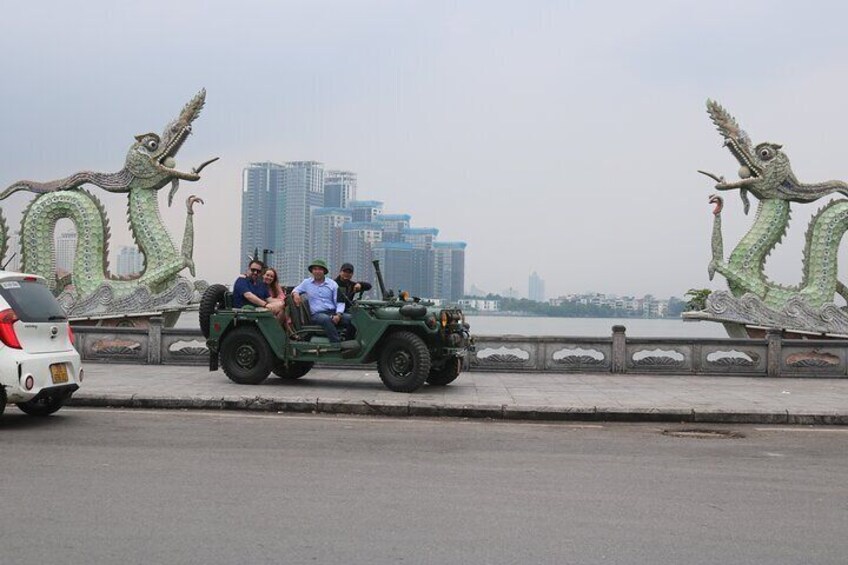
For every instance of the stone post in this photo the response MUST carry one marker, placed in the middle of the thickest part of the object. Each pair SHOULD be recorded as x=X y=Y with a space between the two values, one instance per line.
x=775 y=345
x=154 y=341
x=619 y=349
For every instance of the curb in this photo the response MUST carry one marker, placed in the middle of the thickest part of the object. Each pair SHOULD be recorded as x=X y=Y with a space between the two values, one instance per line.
x=430 y=410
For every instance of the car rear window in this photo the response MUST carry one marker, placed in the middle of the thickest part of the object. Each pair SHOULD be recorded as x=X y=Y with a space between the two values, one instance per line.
x=32 y=301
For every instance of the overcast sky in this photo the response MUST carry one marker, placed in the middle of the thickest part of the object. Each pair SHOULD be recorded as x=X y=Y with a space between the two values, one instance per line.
x=561 y=137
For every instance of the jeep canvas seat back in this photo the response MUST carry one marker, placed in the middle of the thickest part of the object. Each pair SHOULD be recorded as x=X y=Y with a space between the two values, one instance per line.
x=301 y=319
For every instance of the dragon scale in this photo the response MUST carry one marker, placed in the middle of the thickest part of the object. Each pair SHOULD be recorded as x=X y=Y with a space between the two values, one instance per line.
x=90 y=267
x=745 y=266
x=88 y=216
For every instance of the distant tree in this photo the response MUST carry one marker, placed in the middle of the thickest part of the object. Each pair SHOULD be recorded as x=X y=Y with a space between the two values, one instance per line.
x=696 y=298
x=676 y=307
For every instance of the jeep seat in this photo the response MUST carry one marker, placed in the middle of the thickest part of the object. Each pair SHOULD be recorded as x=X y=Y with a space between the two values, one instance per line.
x=301 y=319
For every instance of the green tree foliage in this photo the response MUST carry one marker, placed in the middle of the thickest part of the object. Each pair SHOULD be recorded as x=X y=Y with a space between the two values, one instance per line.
x=696 y=298
x=675 y=307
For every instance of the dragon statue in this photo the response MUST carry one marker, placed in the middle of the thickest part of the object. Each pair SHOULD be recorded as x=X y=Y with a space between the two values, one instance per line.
x=754 y=300
x=91 y=289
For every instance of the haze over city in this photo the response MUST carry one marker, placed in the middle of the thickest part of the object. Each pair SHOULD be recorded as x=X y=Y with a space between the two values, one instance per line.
x=556 y=137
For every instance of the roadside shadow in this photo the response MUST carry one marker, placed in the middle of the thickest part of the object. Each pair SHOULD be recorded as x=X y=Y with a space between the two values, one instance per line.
x=13 y=419
x=306 y=382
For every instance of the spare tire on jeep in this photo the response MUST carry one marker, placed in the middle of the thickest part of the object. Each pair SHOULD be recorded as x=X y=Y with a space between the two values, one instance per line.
x=211 y=301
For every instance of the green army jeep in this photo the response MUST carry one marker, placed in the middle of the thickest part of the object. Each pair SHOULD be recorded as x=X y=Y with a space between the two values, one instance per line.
x=412 y=341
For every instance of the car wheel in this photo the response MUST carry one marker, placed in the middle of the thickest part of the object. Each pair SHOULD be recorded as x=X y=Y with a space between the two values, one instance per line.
x=43 y=406
x=245 y=356
x=294 y=370
x=445 y=375
x=3 y=400
x=211 y=301
x=404 y=363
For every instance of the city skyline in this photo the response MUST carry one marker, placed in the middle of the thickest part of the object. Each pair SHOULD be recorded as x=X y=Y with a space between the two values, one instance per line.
x=528 y=134
x=295 y=212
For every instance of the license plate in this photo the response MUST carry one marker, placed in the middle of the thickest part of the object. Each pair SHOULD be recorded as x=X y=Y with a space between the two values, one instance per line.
x=59 y=372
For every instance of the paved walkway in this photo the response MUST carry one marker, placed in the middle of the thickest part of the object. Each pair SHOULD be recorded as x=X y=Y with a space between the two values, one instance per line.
x=532 y=396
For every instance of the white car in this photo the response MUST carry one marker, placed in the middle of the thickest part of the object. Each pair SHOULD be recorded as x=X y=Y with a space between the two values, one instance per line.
x=39 y=366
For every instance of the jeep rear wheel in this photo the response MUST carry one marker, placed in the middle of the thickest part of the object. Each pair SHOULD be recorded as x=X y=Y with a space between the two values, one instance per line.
x=445 y=375
x=245 y=356
x=294 y=370
x=404 y=363
x=211 y=301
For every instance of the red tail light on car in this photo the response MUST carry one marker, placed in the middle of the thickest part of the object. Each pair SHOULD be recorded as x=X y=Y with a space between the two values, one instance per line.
x=7 y=328
x=70 y=334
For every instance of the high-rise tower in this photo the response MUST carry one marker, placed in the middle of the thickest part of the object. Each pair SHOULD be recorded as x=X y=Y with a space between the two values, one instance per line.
x=339 y=189
x=261 y=185
x=302 y=192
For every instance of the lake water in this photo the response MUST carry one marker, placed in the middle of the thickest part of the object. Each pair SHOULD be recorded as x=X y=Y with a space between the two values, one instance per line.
x=588 y=327
x=591 y=327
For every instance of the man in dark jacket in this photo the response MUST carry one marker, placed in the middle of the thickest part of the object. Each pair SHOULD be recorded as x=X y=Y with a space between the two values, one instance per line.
x=348 y=287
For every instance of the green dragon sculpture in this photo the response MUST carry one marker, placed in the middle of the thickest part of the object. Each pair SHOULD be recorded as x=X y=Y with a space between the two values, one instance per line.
x=765 y=173
x=149 y=167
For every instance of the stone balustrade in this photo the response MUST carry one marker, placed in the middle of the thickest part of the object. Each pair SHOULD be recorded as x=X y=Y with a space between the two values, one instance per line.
x=773 y=356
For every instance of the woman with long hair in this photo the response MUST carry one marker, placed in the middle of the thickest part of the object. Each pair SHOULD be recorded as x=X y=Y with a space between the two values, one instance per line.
x=272 y=281
x=277 y=300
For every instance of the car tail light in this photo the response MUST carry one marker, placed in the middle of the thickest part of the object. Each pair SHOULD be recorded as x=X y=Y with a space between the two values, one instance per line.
x=70 y=334
x=7 y=329
x=29 y=382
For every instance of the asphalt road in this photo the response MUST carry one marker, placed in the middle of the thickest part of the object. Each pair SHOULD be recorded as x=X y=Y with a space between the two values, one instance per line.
x=110 y=486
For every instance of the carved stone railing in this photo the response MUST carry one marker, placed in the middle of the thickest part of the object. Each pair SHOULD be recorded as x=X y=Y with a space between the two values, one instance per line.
x=618 y=353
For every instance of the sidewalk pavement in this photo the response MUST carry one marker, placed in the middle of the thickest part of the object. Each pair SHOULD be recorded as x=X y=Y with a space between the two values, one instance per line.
x=520 y=396
x=531 y=396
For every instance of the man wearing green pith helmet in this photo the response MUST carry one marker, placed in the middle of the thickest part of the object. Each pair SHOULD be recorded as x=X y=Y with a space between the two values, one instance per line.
x=324 y=306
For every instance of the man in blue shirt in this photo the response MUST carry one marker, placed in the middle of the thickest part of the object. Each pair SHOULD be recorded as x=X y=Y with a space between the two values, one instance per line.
x=324 y=306
x=249 y=289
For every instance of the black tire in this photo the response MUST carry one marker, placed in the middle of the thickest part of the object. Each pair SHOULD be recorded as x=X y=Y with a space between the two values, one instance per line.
x=294 y=370
x=43 y=406
x=245 y=356
x=211 y=301
x=3 y=400
x=404 y=363
x=445 y=375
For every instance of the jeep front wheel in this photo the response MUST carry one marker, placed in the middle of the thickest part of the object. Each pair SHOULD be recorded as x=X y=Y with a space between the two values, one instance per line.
x=245 y=356
x=404 y=363
x=294 y=370
x=445 y=375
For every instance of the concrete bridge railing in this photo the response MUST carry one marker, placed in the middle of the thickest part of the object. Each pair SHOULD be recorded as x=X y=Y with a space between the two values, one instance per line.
x=773 y=356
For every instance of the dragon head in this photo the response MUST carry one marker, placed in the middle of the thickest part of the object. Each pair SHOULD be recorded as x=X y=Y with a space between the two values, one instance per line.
x=152 y=156
x=764 y=169
x=149 y=165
